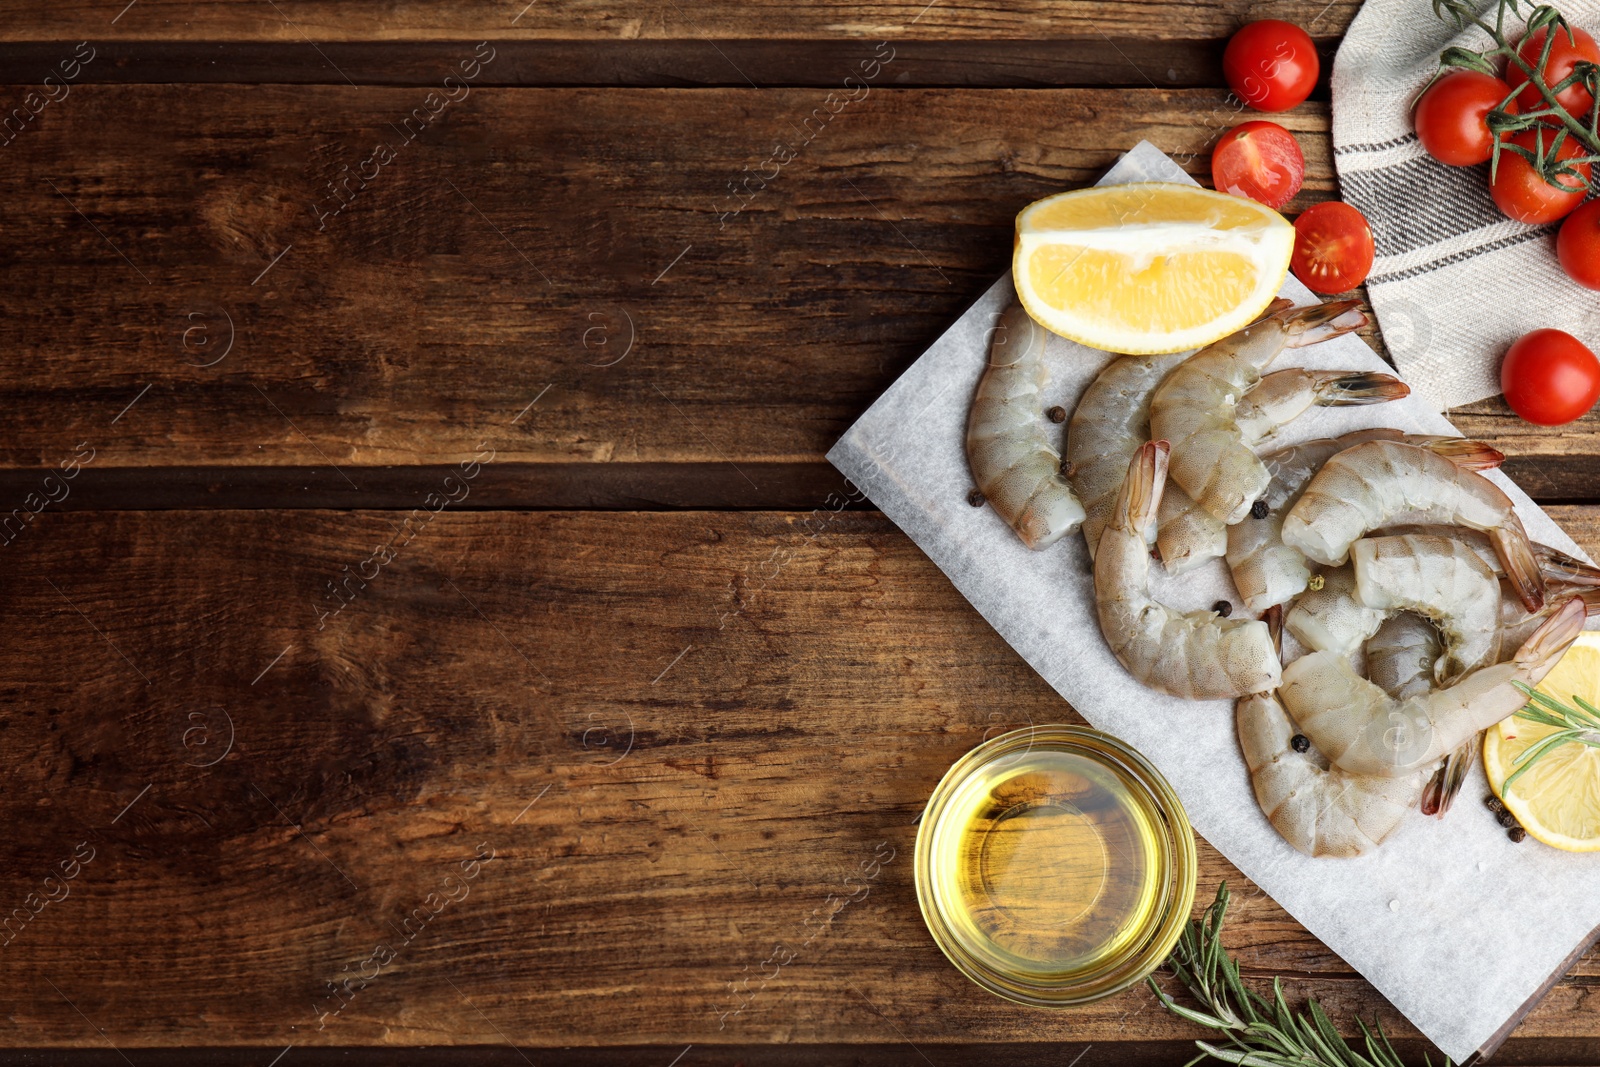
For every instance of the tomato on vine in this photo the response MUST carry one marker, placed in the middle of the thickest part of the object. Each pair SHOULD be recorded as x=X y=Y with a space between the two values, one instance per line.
x=1565 y=53
x=1451 y=116
x=1333 y=248
x=1259 y=161
x=1550 y=377
x=1521 y=192
x=1271 y=65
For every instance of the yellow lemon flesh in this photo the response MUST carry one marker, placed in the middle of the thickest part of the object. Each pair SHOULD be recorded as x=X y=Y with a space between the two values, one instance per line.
x=1558 y=799
x=1149 y=268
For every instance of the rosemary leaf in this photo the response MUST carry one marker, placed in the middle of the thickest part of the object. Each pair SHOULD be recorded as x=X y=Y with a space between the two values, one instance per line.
x=1580 y=725
x=1257 y=1031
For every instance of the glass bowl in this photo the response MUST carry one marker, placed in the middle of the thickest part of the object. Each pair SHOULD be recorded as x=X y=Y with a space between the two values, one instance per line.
x=1054 y=865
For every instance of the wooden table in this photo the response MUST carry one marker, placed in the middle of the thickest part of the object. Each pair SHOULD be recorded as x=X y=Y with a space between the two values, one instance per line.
x=428 y=618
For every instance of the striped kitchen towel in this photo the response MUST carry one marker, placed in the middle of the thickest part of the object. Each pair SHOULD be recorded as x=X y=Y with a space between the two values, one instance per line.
x=1455 y=281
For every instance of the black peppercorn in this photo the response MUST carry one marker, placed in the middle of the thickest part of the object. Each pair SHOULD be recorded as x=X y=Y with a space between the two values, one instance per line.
x=1492 y=802
x=1223 y=608
x=1057 y=414
x=1259 y=509
x=1300 y=743
x=975 y=498
x=1507 y=820
x=1516 y=833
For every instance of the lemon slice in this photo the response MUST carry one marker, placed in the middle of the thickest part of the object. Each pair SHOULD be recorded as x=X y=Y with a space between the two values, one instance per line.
x=1150 y=267
x=1558 y=799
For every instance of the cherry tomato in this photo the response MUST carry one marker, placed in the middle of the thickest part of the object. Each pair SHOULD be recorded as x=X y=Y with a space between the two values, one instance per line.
x=1578 y=245
x=1332 y=248
x=1271 y=65
x=1550 y=378
x=1564 y=54
x=1523 y=195
x=1259 y=161
x=1450 y=117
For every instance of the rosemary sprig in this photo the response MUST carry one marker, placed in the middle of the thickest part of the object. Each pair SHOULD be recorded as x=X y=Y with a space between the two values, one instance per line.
x=1553 y=124
x=1259 y=1033
x=1580 y=725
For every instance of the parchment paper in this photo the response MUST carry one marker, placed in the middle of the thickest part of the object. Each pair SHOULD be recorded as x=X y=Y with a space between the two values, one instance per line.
x=1450 y=920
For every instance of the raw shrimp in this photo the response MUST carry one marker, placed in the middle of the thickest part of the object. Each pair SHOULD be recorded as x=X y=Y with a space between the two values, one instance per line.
x=1400 y=661
x=1186 y=534
x=1265 y=570
x=1196 y=407
x=1433 y=576
x=1365 y=731
x=1369 y=486
x=1284 y=395
x=1008 y=447
x=1332 y=618
x=1557 y=566
x=1442 y=579
x=1191 y=535
x=1199 y=655
x=1321 y=812
x=1109 y=424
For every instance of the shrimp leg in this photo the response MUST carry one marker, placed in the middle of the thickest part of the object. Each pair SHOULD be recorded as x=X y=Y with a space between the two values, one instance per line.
x=1008 y=448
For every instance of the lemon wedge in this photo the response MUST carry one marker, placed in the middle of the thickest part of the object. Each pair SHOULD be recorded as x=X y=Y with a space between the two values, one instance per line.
x=1149 y=268
x=1558 y=799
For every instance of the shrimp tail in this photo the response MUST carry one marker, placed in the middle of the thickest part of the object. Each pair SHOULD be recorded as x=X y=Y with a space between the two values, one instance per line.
x=1549 y=642
x=1567 y=570
x=1313 y=325
x=1337 y=389
x=1463 y=452
x=1516 y=554
x=1273 y=617
x=1140 y=498
x=1447 y=781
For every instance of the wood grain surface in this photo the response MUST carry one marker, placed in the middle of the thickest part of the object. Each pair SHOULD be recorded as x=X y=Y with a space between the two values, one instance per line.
x=466 y=499
x=551 y=248
x=302 y=22
x=684 y=738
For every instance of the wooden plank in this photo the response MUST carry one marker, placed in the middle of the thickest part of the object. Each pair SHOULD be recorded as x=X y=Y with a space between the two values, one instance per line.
x=478 y=274
x=298 y=22
x=678 y=733
x=606 y=486
x=643 y=63
x=517 y=245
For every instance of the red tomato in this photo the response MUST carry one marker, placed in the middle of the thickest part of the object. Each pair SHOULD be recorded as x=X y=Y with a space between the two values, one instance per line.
x=1564 y=54
x=1578 y=245
x=1450 y=117
x=1332 y=248
x=1271 y=65
x=1523 y=195
x=1259 y=161
x=1550 y=378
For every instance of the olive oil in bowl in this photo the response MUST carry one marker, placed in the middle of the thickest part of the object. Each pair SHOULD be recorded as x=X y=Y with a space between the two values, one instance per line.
x=1054 y=865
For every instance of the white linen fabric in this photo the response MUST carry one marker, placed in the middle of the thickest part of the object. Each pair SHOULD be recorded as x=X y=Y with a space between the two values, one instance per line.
x=1455 y=281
